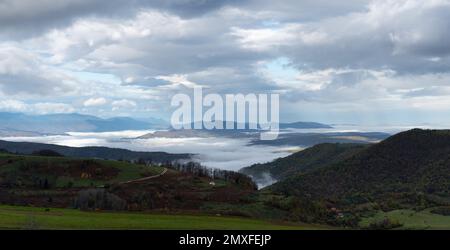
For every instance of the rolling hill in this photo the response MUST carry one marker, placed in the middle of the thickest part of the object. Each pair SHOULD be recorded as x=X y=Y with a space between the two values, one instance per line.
x=412 y=161
x=90 y=184
x=410 y=170
x=403 y=181
x=56 y=192
x=92 y=152
x=311 y=158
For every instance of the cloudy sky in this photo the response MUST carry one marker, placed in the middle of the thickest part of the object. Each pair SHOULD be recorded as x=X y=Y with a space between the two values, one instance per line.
x=352 y=61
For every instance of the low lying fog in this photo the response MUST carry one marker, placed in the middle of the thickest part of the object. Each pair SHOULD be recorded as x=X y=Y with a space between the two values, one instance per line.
x=217 y=152
x=224 y=153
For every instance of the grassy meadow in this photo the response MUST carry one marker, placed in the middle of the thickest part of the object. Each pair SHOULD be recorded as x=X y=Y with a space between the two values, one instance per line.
x=20 y=217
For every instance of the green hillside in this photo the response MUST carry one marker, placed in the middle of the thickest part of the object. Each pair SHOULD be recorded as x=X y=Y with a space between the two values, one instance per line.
x=311 y=158
x=91 y=184
x=53 y=192
x=25 y=171
x=408 y=170
x=28 y=148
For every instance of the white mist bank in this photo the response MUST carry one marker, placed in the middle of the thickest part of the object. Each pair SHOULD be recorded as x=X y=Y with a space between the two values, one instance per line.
x=216 y=152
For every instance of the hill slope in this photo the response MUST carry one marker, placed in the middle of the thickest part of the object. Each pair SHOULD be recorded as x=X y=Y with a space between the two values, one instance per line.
x=91 y=152
x=311 y=158
x=91 y=184
x=411 y=168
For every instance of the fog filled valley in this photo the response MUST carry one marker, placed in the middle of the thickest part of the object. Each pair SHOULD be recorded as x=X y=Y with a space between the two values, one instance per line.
x=373 y=177
x=232 y=150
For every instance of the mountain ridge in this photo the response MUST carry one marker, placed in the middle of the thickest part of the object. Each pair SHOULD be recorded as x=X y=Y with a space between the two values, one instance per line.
x=408 y=164
x=71 y=122
x=92 y=152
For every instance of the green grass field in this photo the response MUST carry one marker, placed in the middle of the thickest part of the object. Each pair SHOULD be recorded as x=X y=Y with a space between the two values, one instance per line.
x=411 y=219
x=18 y=217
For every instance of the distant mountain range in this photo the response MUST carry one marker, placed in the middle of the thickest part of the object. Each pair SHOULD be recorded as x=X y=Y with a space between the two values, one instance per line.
x=303 y=125
x=18 y=124
x=92 y=152
x=313 y=138
x=246 y=126
x=304 y=139
x=9 y=132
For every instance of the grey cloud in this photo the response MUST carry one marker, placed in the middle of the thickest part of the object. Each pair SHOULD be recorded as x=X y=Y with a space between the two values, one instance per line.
x=27 y=18
x=21 y=72
x=192 y=8
x=349 y=79
x=304 y=10
x=233 y=80
x=221 y=44
x=31 y=85
x=406 y=41
x=428 y=91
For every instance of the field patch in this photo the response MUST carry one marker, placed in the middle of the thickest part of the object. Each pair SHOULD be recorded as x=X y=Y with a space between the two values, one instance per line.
x=410 y=219
x=20 y=217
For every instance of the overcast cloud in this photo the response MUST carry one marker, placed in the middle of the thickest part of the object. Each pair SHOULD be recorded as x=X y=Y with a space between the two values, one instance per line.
x=332 y=61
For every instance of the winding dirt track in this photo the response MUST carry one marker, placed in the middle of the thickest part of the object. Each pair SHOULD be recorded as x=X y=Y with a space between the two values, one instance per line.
x=145 y=178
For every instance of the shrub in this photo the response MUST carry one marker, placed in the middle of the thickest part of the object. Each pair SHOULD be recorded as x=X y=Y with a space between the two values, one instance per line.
x=93 y=199
x=442 y=211
x=384 y=224
x=47 y=152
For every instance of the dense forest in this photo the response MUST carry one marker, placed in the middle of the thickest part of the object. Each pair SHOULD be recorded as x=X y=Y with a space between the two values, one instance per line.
x=408 y=170
x=92 y=152
x=311 y=158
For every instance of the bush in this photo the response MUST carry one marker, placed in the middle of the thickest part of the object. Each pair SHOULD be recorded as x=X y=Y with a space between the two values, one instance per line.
x=4 y=151
x=442 y=211
x=384 y=224
x=93 y=199
x=47 y=152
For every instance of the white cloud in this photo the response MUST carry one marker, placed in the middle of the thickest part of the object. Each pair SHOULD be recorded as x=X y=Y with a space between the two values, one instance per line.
x=52 y=108
x=13 y=105
x=177 y=80
x=123 y=104
x=24 y=72
x=272 y=38
x=37 y=108
x=92 y=102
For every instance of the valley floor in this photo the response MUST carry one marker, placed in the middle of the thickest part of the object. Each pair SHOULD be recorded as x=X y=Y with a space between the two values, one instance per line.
x=19 y=217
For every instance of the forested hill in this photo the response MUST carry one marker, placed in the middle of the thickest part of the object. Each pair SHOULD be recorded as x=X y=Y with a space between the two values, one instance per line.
x=412 y=167
x=91 y=152
x=311 y=158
